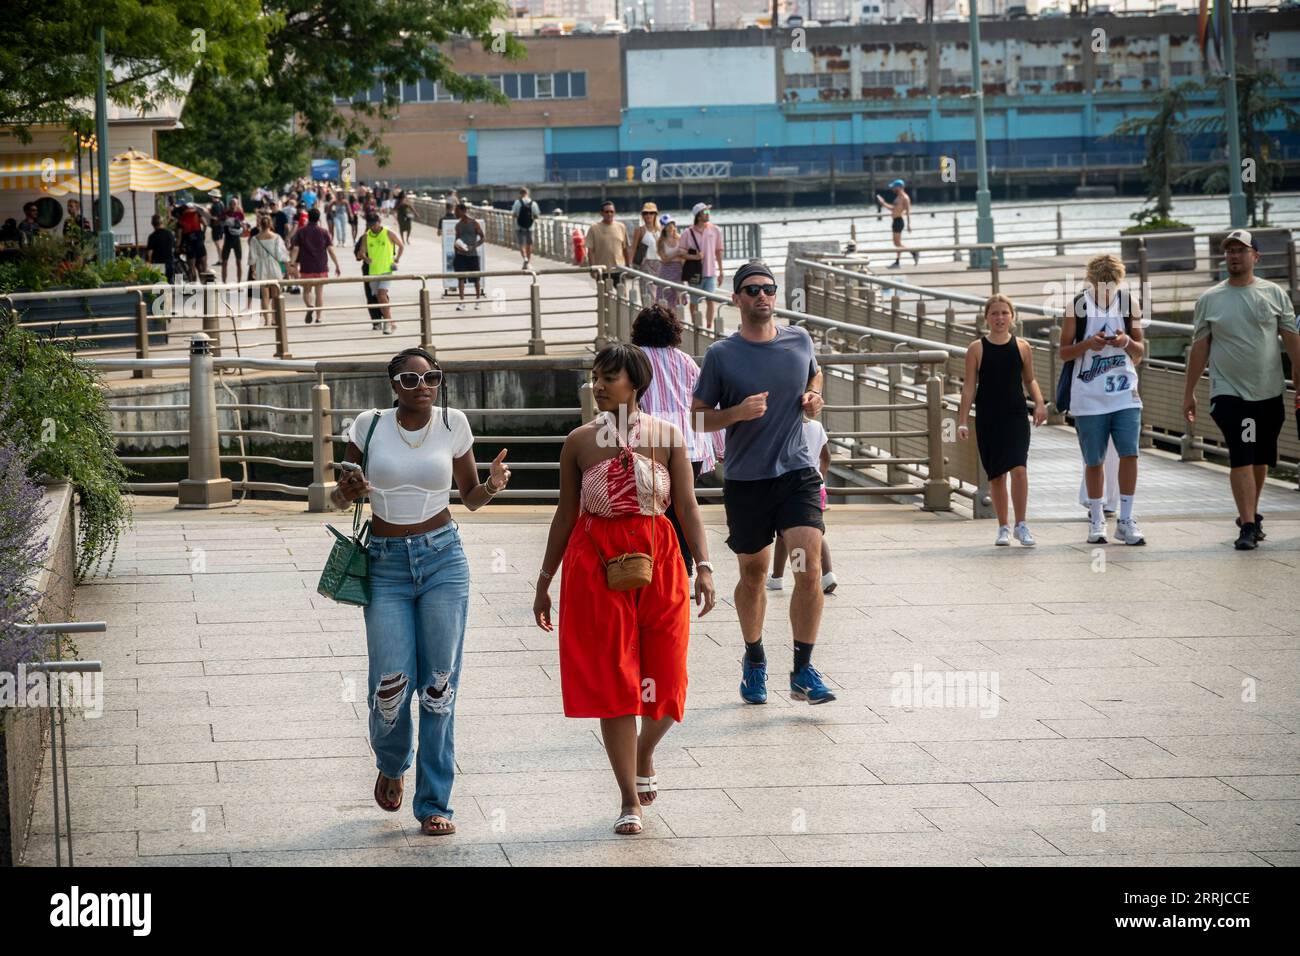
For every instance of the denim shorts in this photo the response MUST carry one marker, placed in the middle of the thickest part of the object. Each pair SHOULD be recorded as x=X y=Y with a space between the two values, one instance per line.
x=707 y=284
x=1123 y=427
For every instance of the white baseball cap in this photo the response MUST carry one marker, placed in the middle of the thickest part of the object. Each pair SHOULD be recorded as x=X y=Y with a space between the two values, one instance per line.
x=1240 y=235
x=700 y=207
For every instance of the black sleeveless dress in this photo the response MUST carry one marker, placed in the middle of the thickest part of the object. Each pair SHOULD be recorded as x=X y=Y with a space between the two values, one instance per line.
x=1001 y=420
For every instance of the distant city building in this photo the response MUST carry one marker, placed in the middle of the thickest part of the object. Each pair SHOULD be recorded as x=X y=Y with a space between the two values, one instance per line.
x=673 y=14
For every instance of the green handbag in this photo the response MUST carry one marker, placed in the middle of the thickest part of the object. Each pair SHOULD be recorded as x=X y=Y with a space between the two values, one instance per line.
x=346 y=577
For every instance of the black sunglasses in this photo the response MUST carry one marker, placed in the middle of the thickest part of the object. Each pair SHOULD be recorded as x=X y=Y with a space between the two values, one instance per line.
x=411 y=380
x=753 y=290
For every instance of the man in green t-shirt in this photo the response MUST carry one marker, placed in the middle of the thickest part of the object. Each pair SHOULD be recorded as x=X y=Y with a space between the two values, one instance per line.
x=1235 y=329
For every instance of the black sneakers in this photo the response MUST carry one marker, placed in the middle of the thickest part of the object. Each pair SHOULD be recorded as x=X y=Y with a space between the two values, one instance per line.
x=1246 y=540
x=1258 y=527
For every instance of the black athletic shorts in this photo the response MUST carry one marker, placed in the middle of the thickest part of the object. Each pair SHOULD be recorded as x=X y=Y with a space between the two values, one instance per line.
x=759 y=510
x=192 y=243
x=1249 y=428
x=898 y=224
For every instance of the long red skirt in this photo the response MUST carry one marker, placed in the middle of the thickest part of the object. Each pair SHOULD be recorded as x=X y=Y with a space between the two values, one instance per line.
x=623 y=652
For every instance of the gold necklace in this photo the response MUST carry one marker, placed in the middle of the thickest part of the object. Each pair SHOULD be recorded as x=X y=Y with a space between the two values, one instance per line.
x=398 y=420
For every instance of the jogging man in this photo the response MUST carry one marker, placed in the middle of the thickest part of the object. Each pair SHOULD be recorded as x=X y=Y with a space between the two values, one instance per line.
x=525 y=212
x=1235 y=329
x=758 y=383
x=381 y=251
x=901 y=211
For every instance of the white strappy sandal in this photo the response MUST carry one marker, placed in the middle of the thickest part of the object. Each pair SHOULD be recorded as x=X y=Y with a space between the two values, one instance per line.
x=647 y=785
x=628 y=819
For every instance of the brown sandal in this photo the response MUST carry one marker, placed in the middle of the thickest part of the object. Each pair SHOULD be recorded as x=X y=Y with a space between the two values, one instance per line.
x=431 y=828
x=379 y=782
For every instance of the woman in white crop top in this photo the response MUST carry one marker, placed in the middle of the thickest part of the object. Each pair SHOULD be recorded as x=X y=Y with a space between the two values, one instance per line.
x=419 y=578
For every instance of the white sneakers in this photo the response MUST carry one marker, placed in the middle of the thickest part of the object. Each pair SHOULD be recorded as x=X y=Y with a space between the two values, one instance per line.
x=1127 y=532
x=828 y=583
x=1021 y=534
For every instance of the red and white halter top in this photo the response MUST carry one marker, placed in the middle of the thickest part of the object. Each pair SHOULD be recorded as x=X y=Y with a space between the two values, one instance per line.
x=628 y=483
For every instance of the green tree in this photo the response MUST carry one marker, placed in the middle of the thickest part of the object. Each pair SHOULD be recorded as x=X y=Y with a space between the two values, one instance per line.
x=1165 y=151
x=1257 y=109
x=49 y=64
x=318 y=50
x=236 y=135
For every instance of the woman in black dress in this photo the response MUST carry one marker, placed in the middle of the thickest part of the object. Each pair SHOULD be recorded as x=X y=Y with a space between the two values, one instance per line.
x=999 y=367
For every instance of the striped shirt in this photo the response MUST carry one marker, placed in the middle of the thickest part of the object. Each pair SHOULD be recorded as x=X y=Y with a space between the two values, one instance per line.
x=669 y=398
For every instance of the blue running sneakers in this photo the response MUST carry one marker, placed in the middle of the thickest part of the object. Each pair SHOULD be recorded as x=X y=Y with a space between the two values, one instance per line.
x=753 y=683
x=807 y=684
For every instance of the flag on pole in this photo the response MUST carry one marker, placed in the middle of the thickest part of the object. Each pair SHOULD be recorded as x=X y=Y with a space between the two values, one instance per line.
x=1209 y=31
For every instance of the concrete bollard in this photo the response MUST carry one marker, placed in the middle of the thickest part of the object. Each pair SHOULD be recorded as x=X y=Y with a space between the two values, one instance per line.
x=322 y=449
x=204 y=488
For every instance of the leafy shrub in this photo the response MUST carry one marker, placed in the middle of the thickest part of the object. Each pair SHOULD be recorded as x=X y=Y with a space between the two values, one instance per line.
x=53 y=404
x=22 y=552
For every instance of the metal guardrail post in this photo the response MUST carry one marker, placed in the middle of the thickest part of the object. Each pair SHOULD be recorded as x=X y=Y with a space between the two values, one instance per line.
x=1060 y=231
x=938 y=494
x=949 y=320
x=1144 y=265
x=756 y=240
x=922 y=370
x=537 y=344
x=893 y=474
x=1187 y=447
x=322 y=448
x=956 y=238
x=204 y=488
x=1054 y=364
x=602 y=311
x=894 y=308
x=142 y=335
x=587 y=399
x=426 y=318
x=994 y=277
x=871 y=305
x=1291 y=277
x=281 y=328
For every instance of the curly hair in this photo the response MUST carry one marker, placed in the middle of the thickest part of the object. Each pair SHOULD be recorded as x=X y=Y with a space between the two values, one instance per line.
x=397 y=361
x=657 y=326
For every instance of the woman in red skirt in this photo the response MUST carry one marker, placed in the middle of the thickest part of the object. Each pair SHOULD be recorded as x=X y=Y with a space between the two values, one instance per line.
x=623 y=653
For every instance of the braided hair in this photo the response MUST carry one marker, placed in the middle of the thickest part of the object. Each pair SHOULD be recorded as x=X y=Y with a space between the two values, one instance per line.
x=398 y=360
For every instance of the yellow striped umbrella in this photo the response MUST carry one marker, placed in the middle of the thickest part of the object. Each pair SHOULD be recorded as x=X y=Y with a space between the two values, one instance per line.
x=134 y=172
x=33 y=170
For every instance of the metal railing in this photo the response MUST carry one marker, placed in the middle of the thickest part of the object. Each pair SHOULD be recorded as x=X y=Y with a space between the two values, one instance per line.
x=553 y=235
x=53 y=672
x=893 y=308
x=236 y=317
x=848 y=374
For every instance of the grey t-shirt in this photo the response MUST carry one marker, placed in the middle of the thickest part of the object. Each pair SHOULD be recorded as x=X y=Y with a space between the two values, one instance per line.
x=735 y=369
x=1243 y=323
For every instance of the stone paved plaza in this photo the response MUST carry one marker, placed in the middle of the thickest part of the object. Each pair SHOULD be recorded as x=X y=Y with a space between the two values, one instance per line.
x=1146 y=713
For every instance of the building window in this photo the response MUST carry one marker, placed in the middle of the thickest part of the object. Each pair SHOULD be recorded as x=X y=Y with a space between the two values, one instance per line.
x=510 y=85
x=527 y=86
x=577 y=85
x=561 y=86
x=954 y=78
x=497 y=82
x=545 y=87
x=410 y=92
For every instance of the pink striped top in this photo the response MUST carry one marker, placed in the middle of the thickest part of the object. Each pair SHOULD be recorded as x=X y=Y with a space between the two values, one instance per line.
x=626 y=484
x=669 y=398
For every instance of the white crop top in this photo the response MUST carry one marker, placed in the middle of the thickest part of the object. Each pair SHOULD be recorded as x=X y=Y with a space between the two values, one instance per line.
x=411 y=485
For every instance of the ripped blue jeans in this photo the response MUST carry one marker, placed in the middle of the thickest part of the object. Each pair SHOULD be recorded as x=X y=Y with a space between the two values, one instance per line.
x=415 y=632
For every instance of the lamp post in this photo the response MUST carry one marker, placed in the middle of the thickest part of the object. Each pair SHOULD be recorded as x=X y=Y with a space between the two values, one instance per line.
x=106 y=248
x=983 y=211
x=1236 y=196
